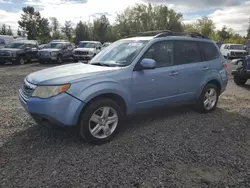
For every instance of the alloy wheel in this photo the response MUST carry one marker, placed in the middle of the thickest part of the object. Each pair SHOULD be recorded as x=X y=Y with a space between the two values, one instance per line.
x=210 y=98
x=103 y=122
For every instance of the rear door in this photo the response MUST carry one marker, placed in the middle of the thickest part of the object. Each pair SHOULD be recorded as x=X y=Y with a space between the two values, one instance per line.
x=192 y=68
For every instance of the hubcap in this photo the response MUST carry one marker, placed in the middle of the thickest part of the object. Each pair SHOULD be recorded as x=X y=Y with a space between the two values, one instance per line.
x=103 y=122
x=210 y=98
x=21 y=61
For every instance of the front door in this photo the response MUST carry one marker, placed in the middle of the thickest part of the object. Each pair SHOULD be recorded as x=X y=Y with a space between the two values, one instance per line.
x=157 y=86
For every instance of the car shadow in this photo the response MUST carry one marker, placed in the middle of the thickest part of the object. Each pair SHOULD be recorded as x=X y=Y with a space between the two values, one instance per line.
x=246 y=87
x=60 y=135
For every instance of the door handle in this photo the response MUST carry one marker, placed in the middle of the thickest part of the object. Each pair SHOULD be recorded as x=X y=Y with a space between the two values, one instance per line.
x=173 y=73
x=205 y=68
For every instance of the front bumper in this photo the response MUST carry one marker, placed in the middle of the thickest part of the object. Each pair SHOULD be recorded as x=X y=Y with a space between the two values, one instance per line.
x=62 y=110
x=47 y=59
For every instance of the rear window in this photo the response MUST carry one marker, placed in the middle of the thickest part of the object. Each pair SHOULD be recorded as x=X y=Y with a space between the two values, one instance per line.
x=209 y=50
x=187 y=52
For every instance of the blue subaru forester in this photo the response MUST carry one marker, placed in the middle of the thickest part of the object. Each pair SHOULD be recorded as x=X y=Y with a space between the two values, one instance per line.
x=129 y=75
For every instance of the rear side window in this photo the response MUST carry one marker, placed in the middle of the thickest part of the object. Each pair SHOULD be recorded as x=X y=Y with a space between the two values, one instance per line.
x=187 y=52
x=209 y=50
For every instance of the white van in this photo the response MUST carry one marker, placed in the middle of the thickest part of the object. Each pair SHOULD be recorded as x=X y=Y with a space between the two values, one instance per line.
x=233 y=50
x=5 y=39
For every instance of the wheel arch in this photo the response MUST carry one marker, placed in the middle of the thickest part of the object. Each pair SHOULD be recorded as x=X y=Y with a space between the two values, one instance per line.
x=112 y=96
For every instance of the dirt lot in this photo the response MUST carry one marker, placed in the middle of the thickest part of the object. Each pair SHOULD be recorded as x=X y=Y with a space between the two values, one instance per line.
x=165 y=148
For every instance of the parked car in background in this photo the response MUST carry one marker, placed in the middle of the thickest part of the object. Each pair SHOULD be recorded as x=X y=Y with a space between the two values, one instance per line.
x=130 y=75
x=233 y=51
x=106 y=44
x=56 y=51
x=19 y=52
x=86 y=50
x=5 y=40
x=42 y=46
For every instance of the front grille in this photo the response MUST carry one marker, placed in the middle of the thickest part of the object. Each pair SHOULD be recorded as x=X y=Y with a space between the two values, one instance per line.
x=4 y=54
x=27 y=90
x=81 y=53
x=44 y=54
x=238 y=53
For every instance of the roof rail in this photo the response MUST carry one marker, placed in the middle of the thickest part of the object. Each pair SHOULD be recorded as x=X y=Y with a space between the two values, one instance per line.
x=166 y=33
x=191 y=34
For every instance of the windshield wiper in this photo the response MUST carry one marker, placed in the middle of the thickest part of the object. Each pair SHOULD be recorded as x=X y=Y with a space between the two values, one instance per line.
x=101 y=64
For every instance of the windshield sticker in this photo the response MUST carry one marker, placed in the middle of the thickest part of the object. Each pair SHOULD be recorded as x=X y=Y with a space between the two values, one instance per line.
x=135 y=44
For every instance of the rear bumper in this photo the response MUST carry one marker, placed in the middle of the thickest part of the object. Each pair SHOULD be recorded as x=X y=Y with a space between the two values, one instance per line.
x=62 y=110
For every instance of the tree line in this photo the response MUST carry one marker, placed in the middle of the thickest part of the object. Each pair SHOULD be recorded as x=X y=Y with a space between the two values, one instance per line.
x=131 y=21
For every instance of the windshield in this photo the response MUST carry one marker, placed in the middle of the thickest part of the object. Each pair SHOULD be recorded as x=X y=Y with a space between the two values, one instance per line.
x=15 y=45
x=55 y=45
x=86 y=45
x=120 y=53
x=237 y=47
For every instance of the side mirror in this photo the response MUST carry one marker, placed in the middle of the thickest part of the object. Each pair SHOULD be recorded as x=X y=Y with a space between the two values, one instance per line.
x=147 y=63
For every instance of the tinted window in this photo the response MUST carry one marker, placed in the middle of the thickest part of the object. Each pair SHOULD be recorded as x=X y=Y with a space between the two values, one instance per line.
x=187 y=52
x=162 y=53
x=225 y=47
x=209 y=50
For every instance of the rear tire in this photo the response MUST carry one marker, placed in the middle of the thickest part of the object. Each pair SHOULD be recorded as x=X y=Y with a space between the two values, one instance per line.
x=239 y=81
x=96 y=125
x=208 y=99
x=75 y=60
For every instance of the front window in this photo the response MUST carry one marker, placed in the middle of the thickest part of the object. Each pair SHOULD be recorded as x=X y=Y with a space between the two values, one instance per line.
x=15 y=45
x=120 y=53
x=87 y=45
x=237 y=47
x=55 y=45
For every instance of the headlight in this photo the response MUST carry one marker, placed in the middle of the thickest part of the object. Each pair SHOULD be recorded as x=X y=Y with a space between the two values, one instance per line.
x=54 y=53
x=91 y=53
x=49 y=91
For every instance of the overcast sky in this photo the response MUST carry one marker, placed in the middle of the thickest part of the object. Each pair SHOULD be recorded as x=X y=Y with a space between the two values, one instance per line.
x=233 y=13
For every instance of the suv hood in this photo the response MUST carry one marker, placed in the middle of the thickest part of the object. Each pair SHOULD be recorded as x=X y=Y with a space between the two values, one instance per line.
x=10 y=49
x=67 y=73
x=49 y=50
x=85 y=49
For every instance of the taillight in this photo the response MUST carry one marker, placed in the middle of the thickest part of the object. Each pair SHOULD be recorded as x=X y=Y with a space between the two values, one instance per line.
x=225 y=65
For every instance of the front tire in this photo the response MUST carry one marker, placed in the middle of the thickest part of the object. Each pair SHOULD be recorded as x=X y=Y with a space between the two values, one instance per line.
x=101 y=121
x=21 y=60
x=60 y=59
x=208 y=99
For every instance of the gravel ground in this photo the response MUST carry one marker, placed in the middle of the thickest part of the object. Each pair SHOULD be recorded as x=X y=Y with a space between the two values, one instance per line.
x=164 y=148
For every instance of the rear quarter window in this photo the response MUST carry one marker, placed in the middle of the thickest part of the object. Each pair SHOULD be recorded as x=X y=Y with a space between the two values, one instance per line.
x=209 y=50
